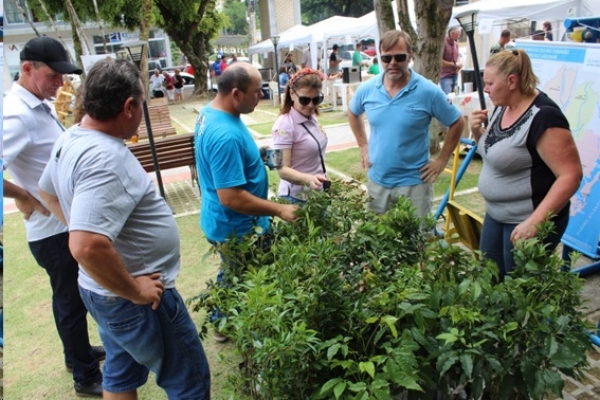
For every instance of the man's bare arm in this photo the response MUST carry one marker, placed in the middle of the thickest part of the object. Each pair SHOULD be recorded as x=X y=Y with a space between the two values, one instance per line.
x=24 y=201
x=98 y=257
x=53 y=205
x=244 y=202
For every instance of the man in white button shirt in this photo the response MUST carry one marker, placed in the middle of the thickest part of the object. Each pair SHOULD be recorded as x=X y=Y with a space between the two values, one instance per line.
x=30 y=130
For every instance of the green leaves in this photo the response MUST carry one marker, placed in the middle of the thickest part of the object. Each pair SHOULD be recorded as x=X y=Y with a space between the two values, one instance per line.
x=349 y=305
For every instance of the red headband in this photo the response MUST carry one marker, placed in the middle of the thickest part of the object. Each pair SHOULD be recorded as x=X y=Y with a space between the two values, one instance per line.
x=304 y=72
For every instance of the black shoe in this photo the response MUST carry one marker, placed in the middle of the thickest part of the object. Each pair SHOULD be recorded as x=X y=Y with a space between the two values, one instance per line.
x=97 y=351
x=93 y=389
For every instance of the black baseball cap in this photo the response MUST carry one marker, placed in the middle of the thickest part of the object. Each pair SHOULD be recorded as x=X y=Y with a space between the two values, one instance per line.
x=51 y=52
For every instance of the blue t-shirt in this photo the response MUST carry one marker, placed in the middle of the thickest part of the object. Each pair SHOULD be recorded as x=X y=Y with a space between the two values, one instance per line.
x=284 y=78
x=399 y=141
x=227 y=157
x=216 y=67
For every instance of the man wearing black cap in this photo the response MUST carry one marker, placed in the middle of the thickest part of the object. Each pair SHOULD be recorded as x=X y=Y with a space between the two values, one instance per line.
x=30 y=130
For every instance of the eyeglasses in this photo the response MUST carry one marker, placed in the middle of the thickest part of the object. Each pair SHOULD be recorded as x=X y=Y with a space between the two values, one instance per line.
x=304 y=100
x=387 y=58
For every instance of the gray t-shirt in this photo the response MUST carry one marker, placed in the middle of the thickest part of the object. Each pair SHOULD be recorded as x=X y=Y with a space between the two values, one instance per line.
x=515 y=179
x=103 y=189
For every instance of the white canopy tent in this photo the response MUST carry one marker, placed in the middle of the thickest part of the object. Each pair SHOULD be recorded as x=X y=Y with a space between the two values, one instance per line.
x=536 y=10
x=493 y=14
x=296 y=34
x=302 y=36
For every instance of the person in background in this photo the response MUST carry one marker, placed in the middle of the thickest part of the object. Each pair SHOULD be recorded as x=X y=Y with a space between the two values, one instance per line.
x=283 y=77
x=547 y=27
x=538 y=35
x=374 y=68
x=334 y=61
x=178 y=84
x=289 y=65
x=233 y=58
x=30 y=129
x=169 y=83
x=526 y=147
x=306 y=58
x=357 y=60
x=125 y=239
x=233 y=178
x=400 y=105
x=451 y=64
x=298 y=134
x=502 y=42
x=215 y=71
x=156 y=83
x=223 y=63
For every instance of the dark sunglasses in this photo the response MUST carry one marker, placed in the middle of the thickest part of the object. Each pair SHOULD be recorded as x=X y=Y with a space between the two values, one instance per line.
x=387 y=58
x=306 y=100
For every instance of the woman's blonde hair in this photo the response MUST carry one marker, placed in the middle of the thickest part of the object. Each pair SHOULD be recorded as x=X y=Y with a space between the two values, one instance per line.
x=306 y=77
x=516 y=62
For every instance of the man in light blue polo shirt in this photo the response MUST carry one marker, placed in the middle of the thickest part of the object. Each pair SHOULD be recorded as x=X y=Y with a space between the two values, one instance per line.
x=400 y=105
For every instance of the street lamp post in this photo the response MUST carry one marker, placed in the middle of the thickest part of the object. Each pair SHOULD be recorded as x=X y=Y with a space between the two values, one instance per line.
x=135 y=49
x=275 y=40
x=468 y=21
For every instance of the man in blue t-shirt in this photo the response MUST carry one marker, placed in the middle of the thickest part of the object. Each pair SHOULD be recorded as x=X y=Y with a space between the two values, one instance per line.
x=215 y=71
x=400 y=105
x=233 y=178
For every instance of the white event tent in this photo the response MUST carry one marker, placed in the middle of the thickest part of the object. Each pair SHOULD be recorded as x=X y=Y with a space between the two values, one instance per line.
x=300 y=35
x=493 y=14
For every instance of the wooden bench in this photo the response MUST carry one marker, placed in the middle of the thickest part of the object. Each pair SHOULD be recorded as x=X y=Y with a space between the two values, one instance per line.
x=160 y=121
x=172 y=152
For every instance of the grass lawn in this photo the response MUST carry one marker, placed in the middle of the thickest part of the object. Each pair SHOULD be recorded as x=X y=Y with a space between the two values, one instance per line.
x=264 y=116
x=33 y=360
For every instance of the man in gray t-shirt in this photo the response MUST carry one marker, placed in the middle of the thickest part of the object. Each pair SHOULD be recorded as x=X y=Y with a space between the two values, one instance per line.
x=334 y=60
x=126 y=241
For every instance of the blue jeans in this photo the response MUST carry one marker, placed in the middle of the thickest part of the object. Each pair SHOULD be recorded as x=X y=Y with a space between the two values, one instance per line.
x=449 y=83
x=138 y=339
x=70 y=314
x=495 y=241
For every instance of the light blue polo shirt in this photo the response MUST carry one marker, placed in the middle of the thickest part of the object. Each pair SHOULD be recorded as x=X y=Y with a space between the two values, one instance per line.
x=227 y=157
x=399 y=141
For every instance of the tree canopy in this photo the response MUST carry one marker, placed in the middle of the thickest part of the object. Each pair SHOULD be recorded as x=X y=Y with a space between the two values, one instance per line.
x=317 y=10
x=235 y=11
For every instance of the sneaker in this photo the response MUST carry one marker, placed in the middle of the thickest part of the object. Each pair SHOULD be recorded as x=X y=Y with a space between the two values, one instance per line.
x=219 y=337
x=98 y=352
x=93 y=389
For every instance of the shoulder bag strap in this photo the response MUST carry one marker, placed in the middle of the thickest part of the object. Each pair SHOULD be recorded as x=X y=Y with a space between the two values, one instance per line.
x=318 y=147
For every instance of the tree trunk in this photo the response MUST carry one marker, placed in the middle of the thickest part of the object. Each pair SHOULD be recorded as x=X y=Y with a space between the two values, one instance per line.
x=432 y=22
x=85 y=46
x=26 y=18
x=192 y=35
x=145 y=35
x=428 y=45
x=99 y=20
x=76 y=45
x=385 y=16
x=60 y=39
x=251 y=26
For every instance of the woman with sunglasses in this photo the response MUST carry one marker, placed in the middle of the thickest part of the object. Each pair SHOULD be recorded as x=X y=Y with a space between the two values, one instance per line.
x=300 y=137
